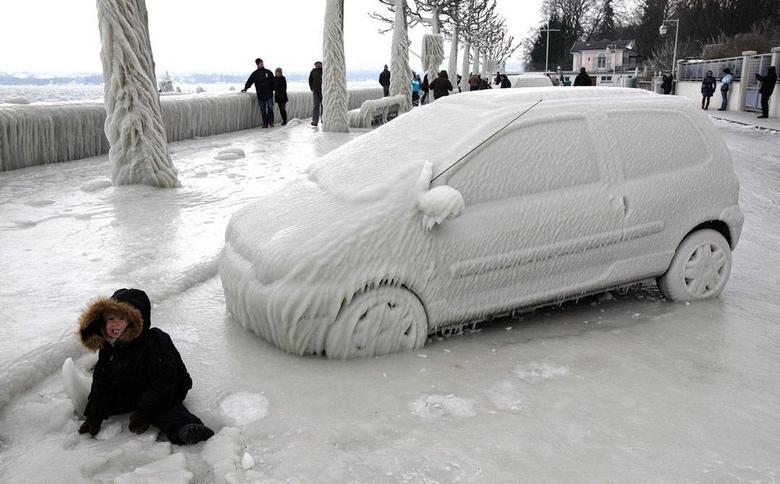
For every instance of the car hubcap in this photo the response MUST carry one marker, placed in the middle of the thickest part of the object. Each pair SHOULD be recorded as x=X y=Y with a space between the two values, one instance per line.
x=705 y=270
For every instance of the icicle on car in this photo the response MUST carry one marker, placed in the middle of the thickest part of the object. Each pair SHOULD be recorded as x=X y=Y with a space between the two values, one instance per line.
x=590 y=189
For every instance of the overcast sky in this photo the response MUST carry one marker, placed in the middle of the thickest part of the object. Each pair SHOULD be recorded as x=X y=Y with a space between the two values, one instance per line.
x=61 y=36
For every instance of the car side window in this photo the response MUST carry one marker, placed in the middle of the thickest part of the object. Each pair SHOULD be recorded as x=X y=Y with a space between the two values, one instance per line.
x=656 y=142
x=531 y=158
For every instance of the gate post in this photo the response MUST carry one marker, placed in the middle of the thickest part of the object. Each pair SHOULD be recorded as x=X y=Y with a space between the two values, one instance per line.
x=775 y=56
x=743 y=79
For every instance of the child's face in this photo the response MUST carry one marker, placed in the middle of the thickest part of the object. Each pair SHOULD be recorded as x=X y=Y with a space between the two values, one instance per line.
x=115 y=325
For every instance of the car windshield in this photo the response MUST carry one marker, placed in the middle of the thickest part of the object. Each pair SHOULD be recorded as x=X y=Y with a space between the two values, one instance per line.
x=393 y=155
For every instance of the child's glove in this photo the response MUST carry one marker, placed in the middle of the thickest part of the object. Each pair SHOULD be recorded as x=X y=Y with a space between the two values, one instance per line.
x=139 y=422
x=90 y=426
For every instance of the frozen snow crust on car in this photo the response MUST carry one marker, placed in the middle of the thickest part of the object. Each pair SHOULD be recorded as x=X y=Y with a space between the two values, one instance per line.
x=293 y=259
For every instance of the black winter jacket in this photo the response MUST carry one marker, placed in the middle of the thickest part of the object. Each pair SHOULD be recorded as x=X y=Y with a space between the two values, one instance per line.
x=263 y=79
x=441 y=86
x=582 y=79
x=708 y=86
x=384 y=78
x=142 y=370
x=280 y=89
x=767 y=83
x=315 y=81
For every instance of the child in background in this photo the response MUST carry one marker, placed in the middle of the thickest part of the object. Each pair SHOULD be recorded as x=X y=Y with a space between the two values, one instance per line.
x=139 y=370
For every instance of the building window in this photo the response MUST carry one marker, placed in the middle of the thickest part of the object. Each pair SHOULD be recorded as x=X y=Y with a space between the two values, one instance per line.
x=602 y=62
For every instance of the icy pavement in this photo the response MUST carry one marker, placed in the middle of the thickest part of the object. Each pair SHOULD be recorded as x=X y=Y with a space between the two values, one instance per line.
x=615 y=388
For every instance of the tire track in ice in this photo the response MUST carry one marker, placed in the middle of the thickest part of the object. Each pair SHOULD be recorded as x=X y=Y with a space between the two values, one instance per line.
x=37 y=364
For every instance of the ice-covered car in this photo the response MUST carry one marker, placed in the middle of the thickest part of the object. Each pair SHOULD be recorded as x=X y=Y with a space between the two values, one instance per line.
x=531 y=80
x=480 y=204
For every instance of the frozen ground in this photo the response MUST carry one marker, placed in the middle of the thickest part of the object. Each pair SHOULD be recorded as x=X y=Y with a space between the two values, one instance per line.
x=616 y=388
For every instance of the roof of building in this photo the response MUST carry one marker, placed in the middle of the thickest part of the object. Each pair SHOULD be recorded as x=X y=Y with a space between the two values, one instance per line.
x=579 y=46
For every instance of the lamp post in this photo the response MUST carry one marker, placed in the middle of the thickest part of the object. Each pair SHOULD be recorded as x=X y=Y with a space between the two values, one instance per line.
x=662 y=31
x=547 y=53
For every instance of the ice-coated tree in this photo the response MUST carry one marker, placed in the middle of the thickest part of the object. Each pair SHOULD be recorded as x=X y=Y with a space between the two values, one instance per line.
x=134 y=124
x=401 y=73
x=464 y=67
x=335 y=97
x=432 y=54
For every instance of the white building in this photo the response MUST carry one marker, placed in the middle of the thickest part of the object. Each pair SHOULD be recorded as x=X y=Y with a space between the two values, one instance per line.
x=609 y=62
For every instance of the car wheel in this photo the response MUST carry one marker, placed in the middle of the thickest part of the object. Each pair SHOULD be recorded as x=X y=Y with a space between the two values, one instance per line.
x=699 y=269
x=378 y=321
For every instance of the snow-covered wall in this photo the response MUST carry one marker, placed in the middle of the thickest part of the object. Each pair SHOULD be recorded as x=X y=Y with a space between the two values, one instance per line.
x=36 y=134
x=692 y=90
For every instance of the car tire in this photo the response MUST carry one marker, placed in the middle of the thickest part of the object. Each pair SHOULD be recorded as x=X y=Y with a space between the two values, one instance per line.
x=699 y=269
x=381 y=320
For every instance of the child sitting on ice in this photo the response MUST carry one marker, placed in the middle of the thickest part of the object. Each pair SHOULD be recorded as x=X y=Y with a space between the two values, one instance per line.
x=139 y=370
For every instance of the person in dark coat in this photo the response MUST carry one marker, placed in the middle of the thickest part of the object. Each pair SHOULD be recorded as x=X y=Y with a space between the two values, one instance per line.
x=582 y=79
x=505 y=82
x=767 y=88
x=474 y=82
x=280 y=93
x=707 y=90
x=441 y=86
x=263 y=79
x=666 y=84
x=426 y=90
x=484 y=84
x=384 y=80
x=315 y=84
x=139 y=370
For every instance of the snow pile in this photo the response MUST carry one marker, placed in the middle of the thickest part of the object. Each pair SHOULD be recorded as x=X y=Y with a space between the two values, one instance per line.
x=77 y=383
x=434 y=407
x=535 y=372
x=50 y=133
x=171 y=470
x=530 y=80
x=222 y=453
x=243 y=408
x=230 y=154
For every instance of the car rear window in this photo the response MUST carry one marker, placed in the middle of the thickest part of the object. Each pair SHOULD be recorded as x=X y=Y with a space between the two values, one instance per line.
x=532 y=158
x=655 y=142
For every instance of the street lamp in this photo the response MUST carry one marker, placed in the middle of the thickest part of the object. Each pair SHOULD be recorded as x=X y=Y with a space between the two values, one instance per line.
x=662 y=31
x=547 y=53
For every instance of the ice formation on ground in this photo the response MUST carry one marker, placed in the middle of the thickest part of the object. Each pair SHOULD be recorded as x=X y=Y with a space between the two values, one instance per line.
x=50 y=133
x=77 y=385
x=171 y=470
x=16 y=100
x=230 y=154
x=695 y=385
x=539 y=372
x=243 y=408
x=433 y=407
x=401 y=73
x=335 y=99
x=134 y=121
x=505 y=396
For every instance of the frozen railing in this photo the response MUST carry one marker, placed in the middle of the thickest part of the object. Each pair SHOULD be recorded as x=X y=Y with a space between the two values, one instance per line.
x=376 y=111
x=37 y=134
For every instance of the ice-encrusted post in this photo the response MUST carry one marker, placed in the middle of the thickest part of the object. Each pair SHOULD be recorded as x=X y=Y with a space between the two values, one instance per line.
x=475 y=69
x=401 y=77
x=134 y=123
x=464 y=67
x=335 y=97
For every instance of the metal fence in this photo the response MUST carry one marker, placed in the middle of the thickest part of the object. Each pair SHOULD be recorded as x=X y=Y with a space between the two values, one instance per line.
x=696 y=70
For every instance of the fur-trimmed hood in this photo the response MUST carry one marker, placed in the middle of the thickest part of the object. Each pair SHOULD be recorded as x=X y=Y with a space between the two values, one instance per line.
x=133 y=304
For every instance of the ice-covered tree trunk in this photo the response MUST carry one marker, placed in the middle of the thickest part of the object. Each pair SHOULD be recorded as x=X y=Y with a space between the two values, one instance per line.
x=464 y=67
x=432 y=54
x=475 y=69
x=335 y=97
x=486 y=71
x=452 y=68
x=134 y=123
x=401 y=73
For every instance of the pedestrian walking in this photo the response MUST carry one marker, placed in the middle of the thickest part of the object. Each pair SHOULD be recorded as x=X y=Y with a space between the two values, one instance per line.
x=505 y=82
x=280 y=93
x=707 y=90
x=315 y=84
x=725 y=85
x=582 y=79
x=767 y=88
x=666 y=84
x=384 y=81
x=441 y=86
x=426 y=90
x=263 y=79
x=474 y=82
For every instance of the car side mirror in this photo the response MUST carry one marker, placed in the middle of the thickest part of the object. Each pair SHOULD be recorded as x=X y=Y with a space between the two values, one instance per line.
x=438 y=204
